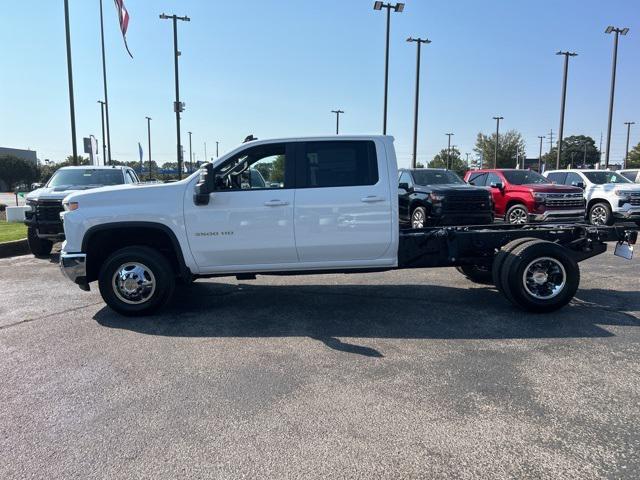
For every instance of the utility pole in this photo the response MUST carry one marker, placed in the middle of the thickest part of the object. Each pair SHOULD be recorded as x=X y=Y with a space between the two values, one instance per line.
x=467 y=155
x=337 y=112
x=177 y=106
x=217 y=149
x=541 y=137
x=104 y=145
x=72 y=108
x=149 y=143
x=495 y=155
x=419 y=42
x=518 y=156
x=617 y=31
x=563 y=102
x=584 y=158
x=190 y=151
x=205 y=154
x=626 y=152
x=550 y=140
x=449 y=149
x=398 y=7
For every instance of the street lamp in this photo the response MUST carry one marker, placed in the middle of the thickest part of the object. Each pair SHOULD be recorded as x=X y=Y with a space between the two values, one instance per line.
x=618 y=31
x=419 y=42
x=190 y=154
x=563 y=102
x=177 y=106
x=449 y=149
x=104 y=144
x=626 y=152
x=495 y=154
x=398 y=7
x=337 y=112
x=149 y=143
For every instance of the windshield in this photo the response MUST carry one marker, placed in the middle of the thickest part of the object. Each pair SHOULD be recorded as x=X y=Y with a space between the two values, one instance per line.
x=86 y=177
x=435 y=177
x=600 y=178
x=523 y=177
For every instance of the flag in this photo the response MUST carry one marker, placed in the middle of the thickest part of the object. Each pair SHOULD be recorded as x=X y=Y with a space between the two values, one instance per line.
x=140 y=152
x=123 y=18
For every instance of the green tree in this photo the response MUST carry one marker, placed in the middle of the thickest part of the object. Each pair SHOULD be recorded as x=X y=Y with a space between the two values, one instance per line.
x=452 y=159
x=634 y=157
x=15 y=171
x=81 y=160
x=573 y=153
x=510 y=143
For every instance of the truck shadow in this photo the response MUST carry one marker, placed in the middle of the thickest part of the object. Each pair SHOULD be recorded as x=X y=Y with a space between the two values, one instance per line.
x=331 y=313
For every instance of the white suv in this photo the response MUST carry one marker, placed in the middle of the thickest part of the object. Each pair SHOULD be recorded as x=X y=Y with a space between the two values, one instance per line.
x=609 y=195
x=632 y=174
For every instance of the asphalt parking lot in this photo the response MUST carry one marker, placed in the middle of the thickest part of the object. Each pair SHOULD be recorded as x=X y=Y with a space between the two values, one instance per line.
x=408 y=374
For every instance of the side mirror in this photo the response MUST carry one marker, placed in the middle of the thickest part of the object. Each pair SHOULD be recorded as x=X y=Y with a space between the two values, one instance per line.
x=578 y=184
x=404 y=186
x=472 y=183
x=204 y=187
x=498 y=185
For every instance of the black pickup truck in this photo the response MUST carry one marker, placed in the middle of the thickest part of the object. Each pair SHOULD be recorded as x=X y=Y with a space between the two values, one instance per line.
x=434 y=197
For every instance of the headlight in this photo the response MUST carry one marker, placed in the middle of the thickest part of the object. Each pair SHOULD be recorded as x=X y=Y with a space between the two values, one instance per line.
x=539 y=197
x=70 y=206
x=621 y=193
x=436 y=197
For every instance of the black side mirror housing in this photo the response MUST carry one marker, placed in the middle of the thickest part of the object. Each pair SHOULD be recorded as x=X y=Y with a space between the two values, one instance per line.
x=404 y=186
x=498 y=185
x=204 y=187
x=580 y=185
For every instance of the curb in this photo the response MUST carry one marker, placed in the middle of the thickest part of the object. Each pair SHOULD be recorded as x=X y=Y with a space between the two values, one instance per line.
x=14 y=248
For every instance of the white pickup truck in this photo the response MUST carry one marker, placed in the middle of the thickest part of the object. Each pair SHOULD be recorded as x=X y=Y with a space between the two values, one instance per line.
x=297 y=206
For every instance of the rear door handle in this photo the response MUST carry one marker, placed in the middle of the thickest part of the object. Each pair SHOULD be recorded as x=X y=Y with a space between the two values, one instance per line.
x=275 y=203
x=372 y=199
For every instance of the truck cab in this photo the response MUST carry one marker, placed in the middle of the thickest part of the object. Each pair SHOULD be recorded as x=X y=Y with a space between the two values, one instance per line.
x=43 y=217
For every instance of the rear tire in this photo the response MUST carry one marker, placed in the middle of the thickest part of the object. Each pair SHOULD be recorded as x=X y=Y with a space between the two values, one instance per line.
x=501 y=257
x=40 y=247
x=540 y=276
x=477 y=273
x=136 y=281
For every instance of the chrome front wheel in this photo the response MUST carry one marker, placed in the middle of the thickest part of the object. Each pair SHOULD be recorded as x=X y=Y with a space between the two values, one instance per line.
x=133 y=283
x=517 y=215
x=418 y=218
x=599 y=215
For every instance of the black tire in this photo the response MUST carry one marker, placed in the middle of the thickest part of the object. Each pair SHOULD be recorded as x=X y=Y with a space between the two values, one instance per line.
x=477 y=273
x=501 y=257
x=152 y=266
x=40 y=247
x=549 y=259
x=600 y=214
x=419 y=214
x=517 y=215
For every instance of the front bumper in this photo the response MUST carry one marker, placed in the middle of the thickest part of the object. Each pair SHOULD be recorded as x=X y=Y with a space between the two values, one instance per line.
x=74 y=267
x=564 y=215
x=627 y=211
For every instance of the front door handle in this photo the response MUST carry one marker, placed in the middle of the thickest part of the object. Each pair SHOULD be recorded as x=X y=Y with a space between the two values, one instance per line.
x=372 y=199
x=275 y=203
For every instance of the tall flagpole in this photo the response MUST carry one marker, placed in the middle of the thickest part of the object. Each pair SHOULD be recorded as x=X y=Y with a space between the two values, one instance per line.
x=72 y=108
x=104 y=79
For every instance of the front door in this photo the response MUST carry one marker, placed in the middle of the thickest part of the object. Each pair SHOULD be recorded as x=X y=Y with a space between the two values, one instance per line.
x=343 y=206
x=249 y=218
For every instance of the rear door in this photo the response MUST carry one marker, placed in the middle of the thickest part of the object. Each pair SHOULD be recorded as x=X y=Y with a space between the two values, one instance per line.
x=343 y=209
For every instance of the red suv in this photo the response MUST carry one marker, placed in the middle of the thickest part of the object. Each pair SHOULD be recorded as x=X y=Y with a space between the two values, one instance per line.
x=523 y=196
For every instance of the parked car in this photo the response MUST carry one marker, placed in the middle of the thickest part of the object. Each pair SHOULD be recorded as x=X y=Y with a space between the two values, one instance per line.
x=609 y=195
x=435 y=196
x=43 y=218
x=525 y=196
x=336 y=210
x=632 y=175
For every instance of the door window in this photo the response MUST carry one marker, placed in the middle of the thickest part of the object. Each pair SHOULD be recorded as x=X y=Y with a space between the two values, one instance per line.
x=557 y=177
x=493 y=178
x=258 y=168
x=405 y=177
x=338 y=164
x=573 y=179
x=478 y=179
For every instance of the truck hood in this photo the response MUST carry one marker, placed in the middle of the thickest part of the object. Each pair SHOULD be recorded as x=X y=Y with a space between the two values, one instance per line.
x=53 y=193
x=450 y=188
x=545 y=188
x=158 y=193
x=610 y=187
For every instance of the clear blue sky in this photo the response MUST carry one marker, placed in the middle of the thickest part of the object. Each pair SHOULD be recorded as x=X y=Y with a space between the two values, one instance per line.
x=277 y=68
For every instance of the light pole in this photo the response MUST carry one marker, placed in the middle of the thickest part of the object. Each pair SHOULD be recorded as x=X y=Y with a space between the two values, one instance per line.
x=177 y=106
x=618 y=31
x=541 y=137
x=563 y=102
x=467 y=154
x=217 y=149
x=398 y=7
x=190 y=154
x=495 y=154
x=149 y=143
x=337 y=112
x=104 y=145
x=72 y=108
x=626 y=152
x=449 y=149
x=419 y=42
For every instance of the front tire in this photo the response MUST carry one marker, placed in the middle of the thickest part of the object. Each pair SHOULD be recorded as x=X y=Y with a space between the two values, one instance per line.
x=136 y=281
x=419 y=217
x=540 y=276
x=40 y=247
x=517 y=215
x=600 y=214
